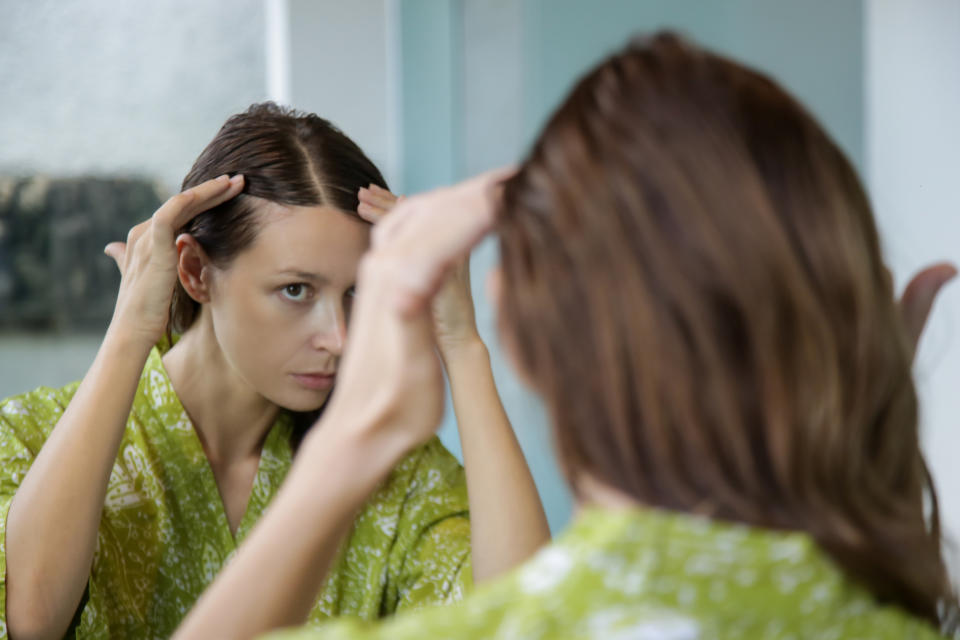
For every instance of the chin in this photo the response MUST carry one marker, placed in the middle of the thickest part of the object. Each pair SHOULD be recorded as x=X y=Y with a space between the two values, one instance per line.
x=302 y=402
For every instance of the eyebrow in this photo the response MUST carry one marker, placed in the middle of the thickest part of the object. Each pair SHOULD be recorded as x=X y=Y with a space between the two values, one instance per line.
x=302 y=275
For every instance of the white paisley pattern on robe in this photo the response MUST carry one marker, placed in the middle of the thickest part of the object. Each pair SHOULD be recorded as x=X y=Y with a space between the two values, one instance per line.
x=645 y=574
x=164 y=533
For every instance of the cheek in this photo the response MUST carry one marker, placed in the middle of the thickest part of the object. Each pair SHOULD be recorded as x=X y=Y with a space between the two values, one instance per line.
x=257 y=334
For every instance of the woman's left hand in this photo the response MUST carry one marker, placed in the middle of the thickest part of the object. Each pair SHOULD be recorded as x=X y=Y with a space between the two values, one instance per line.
x=454 y=318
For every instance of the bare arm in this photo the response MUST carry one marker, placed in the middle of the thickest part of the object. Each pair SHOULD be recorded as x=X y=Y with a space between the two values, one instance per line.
x=507 y=521
x=506 y=516
x=48 y=553
x=55 y=514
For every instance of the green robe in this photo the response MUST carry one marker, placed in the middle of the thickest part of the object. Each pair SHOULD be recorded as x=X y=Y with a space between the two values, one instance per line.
x=164 y=533
x=645 y=574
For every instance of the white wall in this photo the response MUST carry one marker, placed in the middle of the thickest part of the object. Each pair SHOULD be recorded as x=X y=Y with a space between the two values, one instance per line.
x=340 y=69
x=100 y=86
x=913 y=167
x=115 y=88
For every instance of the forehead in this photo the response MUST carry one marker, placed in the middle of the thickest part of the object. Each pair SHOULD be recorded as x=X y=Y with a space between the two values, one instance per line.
x=317 y=239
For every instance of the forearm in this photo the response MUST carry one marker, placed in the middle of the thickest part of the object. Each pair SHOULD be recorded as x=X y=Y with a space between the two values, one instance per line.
x=289 y=552
x=54 y=516
x=506 y=516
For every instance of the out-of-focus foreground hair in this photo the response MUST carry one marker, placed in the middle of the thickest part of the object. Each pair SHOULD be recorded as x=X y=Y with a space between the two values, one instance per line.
x=693 y=280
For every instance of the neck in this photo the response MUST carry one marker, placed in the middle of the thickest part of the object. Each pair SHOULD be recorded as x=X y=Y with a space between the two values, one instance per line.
x=231 y=419
x=593 y=492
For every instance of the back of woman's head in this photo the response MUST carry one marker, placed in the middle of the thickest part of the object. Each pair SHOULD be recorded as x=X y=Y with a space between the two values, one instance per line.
x=693 y=281
x=287 y=157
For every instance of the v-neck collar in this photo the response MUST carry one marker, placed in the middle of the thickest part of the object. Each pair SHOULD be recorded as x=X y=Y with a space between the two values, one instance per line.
x=176 y=434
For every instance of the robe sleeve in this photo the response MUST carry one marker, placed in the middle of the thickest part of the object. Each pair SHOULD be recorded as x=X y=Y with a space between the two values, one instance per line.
x=25 y=423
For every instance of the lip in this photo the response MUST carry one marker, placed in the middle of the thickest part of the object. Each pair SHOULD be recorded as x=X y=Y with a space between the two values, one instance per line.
x=315 y=381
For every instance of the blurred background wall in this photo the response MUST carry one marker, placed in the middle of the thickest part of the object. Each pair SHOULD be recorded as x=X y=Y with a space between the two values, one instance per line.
x=436 y=90
x=912 y=117
x=104 y=107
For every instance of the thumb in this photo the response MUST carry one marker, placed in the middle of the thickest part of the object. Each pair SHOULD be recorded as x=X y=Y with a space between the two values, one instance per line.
x=117 y=251
x=919 y=295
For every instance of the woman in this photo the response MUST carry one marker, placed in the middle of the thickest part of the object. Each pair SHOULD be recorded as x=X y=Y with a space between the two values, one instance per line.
x=121 y=498
x=691 y=278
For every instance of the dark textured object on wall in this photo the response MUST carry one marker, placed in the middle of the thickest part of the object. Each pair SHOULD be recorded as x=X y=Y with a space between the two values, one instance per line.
x=53 y=273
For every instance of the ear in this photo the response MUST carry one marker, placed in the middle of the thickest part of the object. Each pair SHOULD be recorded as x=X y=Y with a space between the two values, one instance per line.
x=193 y=268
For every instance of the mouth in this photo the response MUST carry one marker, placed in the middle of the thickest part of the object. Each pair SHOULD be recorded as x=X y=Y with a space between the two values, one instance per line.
x=315 y=381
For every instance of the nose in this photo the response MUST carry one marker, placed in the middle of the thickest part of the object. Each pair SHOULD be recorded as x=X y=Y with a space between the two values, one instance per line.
x=329 y=330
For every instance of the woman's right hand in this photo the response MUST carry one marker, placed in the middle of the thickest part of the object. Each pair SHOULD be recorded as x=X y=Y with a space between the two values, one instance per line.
x=148 y=260
x=390 y=376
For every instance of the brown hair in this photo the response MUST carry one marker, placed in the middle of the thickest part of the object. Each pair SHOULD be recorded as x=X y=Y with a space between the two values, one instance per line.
x=693 y=280
x=286 y=156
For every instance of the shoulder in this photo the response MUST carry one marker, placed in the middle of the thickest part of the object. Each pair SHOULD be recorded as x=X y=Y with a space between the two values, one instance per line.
x=427 y=486
x=31 y=416
x=429 y=466
x=428 y=472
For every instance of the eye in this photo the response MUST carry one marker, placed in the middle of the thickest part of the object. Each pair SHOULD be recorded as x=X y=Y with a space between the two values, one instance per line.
x=297 y=292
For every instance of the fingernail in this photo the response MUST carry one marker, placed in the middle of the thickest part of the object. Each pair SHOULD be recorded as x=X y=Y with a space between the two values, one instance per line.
x=237 y=179
x=222 y=178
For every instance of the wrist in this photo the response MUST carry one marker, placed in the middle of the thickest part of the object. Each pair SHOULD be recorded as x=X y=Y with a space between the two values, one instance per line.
x=123 y=341
x=466 y=347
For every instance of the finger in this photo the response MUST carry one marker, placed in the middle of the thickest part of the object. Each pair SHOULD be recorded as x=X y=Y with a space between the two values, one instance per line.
x=382 y=198
x=117 y=251
x=420 y=289
x=203 y=203
x=181 y=208
x=458 y=233
x=373 y=186
x=919 y=296
x=371 y=213
x=403 y=285
x=135 y=233
x=377 y=189
x=390 y=225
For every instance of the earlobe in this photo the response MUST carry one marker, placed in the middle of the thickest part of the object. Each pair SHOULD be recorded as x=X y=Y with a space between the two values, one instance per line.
x=192 y=265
